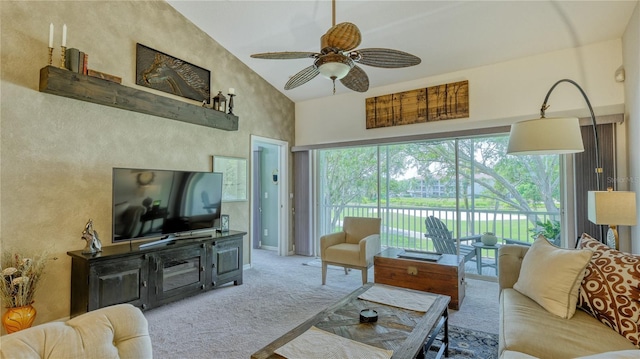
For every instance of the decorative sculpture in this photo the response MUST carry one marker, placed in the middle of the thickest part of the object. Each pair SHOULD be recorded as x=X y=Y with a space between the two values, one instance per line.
x=91 y=236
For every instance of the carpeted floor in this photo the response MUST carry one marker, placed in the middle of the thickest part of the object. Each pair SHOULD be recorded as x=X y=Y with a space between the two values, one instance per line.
x=278 y=294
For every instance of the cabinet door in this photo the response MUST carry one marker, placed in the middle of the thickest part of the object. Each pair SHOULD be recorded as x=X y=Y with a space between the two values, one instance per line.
x=227 y=261
x=119 y=281
x=178 y=273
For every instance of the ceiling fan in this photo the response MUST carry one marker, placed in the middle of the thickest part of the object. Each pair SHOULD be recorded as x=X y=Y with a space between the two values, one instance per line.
x=337 y=59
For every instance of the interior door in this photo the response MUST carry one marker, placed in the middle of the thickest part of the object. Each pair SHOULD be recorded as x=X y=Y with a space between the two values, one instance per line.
x=269 y=196
x=270 y=190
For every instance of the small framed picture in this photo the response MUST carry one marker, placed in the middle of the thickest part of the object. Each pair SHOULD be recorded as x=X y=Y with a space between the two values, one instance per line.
x=224 y=223
x=234 y=178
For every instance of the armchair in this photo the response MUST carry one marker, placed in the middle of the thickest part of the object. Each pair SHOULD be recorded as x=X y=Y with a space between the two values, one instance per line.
x=354 y=247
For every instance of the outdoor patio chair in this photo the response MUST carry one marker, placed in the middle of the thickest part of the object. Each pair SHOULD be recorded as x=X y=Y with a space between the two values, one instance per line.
x=353 y=247
x=444 y=242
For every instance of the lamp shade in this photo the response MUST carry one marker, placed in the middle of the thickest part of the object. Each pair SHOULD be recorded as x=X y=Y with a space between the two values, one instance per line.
x=612 y=207
x=553 y=135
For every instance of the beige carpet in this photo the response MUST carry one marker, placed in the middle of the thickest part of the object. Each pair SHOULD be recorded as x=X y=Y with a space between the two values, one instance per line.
x=278 y=294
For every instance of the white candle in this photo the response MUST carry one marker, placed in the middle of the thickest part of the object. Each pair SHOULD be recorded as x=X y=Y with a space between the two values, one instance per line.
x=64 y=35
x=51 y=35
x=232 y=91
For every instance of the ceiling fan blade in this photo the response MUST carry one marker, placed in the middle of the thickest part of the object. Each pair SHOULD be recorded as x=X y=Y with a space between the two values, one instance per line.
x=285 y=55
x=344 y=36
x=356 y=80
x=386 y=58
x=302 y=77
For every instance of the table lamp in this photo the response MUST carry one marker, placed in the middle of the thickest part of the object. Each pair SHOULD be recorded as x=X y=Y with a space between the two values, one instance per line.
x=612 y=208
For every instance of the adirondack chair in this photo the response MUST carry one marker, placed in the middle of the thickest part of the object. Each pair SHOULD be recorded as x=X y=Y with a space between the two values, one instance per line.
x=444 y=242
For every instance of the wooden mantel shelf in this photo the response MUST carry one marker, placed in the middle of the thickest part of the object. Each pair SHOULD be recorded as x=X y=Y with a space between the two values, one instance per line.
x=66 y=83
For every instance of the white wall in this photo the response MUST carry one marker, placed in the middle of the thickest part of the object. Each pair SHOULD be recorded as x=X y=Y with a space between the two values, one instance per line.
x=498 y=94
x=631 y=60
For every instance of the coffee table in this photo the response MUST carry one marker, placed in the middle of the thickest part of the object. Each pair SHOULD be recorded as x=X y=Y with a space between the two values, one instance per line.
x=444 y=276
x=408 y=333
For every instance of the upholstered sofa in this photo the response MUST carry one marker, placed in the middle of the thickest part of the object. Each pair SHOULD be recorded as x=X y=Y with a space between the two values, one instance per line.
x=119 y=331
x=528 y=330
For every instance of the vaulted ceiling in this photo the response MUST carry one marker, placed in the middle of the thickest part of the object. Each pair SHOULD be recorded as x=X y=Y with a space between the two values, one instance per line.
x=447 y=35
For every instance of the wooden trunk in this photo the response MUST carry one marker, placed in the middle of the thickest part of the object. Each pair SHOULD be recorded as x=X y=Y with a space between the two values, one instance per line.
x=446 y=276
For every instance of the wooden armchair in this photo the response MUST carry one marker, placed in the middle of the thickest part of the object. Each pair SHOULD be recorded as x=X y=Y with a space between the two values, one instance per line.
x=354 y=247
x=444 y=242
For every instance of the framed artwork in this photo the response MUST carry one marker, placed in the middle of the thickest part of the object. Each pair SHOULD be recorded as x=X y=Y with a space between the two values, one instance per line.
x=224 y=223
x=435 y=103
x=234 y=177
x=157 y=70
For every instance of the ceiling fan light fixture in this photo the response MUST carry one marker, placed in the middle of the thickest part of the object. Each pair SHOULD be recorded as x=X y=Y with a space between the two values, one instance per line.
x=334 y=70
x=334 y=66
x=337 y=61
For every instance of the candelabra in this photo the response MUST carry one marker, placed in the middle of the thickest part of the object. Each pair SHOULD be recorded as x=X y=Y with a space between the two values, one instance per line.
x=231 y=96
x=50 y=55
x=62 y=56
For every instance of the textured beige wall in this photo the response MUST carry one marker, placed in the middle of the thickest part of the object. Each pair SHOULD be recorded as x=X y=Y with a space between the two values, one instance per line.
x=57 y=153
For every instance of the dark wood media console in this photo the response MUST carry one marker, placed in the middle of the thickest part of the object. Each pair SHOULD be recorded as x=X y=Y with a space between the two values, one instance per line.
x=152 y=276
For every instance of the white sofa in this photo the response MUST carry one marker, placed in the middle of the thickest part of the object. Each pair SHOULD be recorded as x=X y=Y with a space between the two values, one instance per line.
x=119 y=331
x=527 y=330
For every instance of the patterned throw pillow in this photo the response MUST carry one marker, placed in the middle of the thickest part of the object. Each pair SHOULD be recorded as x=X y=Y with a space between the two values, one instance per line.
x=610 y=290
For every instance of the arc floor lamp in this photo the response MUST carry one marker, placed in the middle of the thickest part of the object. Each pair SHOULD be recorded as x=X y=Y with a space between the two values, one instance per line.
x=561 y=135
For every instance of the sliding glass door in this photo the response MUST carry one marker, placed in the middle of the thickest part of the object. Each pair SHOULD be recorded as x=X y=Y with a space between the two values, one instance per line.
x=348 y=185
x=467 y=186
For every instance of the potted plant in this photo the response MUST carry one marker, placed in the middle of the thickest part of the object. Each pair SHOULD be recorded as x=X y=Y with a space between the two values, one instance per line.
x=550 y=229
x=20 y=277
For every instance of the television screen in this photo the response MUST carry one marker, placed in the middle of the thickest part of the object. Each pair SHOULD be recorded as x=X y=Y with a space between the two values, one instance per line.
x=153 y=203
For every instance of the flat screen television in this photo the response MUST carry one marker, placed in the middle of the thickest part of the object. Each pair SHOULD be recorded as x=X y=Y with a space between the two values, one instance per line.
x=152 y=204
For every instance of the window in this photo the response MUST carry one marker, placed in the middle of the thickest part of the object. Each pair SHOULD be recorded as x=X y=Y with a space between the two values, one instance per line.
x=469 y=184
